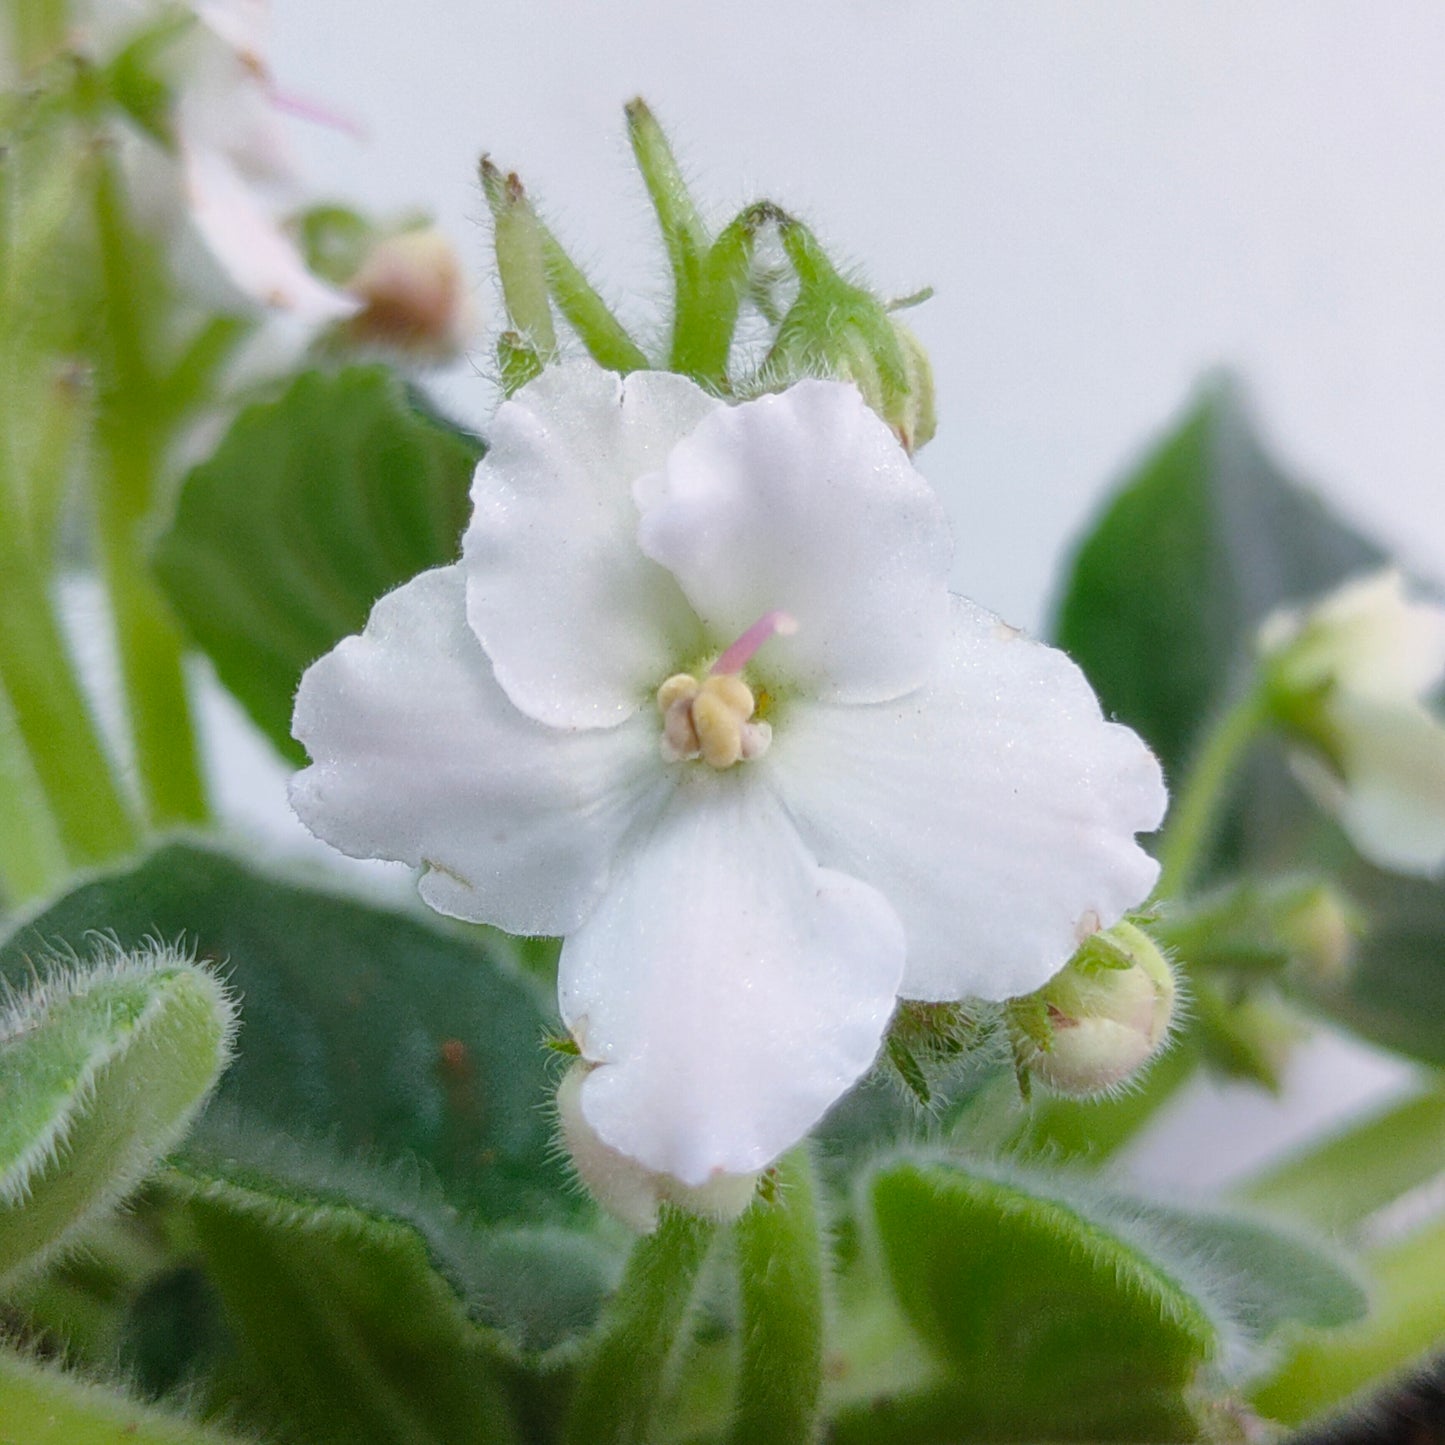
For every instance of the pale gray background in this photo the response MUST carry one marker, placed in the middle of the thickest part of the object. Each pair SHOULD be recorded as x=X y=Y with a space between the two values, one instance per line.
x=1110 y=198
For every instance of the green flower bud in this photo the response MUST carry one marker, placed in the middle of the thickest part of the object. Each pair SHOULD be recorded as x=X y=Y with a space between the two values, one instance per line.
x=1103 y=1017
x=836 y=328
x=627 y=1189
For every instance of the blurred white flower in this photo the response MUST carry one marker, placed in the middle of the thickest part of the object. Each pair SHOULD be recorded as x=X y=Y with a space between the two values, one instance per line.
x=1350 y=678
x=229 y=136
x=697 y=698
x=414 y=297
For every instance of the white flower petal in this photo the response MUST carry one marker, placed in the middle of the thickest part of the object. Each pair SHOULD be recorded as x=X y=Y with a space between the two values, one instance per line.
x=248 y=244
x=580 y=626
x=728 y=988
x=994 y=808
x=1392 y=802
x=420 y=757
x=805 y=502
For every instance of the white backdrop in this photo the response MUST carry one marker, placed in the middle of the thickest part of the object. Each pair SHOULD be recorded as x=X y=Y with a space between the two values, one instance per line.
x=1110 y=198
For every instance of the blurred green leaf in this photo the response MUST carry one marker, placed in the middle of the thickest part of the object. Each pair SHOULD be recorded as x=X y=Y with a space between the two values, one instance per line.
x=374 y=1029
x=1394 y=991
x=1045 y=1325
x=102 y=1069
x=1197 y=546
x=44 y=1406
x=313 y=506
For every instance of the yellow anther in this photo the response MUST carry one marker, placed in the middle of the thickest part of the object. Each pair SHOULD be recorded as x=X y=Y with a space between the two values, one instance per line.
x=680 y=687
x=710 y=720
x=719 y=728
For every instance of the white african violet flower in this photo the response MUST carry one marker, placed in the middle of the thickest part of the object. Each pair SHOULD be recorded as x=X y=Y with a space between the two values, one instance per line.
x=1352 y=675
x=697 y=698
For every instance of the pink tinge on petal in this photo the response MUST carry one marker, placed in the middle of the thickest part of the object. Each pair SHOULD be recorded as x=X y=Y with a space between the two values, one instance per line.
x=742 y=652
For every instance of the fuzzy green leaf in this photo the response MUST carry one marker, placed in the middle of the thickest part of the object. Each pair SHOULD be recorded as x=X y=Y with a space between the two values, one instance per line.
x=1045 y=1325
x=377 y=1030
x=43 y=1406
x=102 y=1070
x=313 y=506
x=344 y=1328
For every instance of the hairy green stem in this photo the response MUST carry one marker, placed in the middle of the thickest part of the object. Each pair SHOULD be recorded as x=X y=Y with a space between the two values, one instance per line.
x=780 y=1273
x=622 y=1382
x=1195 y=815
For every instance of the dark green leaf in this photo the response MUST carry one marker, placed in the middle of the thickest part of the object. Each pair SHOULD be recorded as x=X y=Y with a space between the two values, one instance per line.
x=344 y=1329
x=1159 y=607
x=313 y=506
x=374 y=1029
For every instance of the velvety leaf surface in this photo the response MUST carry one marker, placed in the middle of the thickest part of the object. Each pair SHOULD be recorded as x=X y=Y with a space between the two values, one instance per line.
x=101 y=1071
x=1045 y=1325
x=313 y=506
x=345 y=1330
x=373 y=1029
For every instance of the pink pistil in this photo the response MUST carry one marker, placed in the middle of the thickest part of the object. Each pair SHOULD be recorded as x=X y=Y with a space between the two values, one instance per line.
x=770 y=624
x=316 y=112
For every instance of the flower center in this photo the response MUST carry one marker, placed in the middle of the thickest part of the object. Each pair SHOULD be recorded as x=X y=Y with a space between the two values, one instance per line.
x=713 y=719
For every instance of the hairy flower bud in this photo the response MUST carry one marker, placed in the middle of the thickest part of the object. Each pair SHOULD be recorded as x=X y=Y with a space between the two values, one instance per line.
x=1108 y=1013
x=630 y=1191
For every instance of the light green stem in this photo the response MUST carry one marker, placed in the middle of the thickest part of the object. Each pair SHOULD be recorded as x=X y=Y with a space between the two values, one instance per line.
x=51 y=715
x=621 y=1384
x=130 y=456
x=1195 y=814
x=780 y=1272
x=149 y=642
x=32 y=856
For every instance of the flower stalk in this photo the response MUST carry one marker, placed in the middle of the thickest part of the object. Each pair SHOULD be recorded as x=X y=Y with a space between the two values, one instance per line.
x=620 y=1386
x=1194 y=817
x=780 y=1274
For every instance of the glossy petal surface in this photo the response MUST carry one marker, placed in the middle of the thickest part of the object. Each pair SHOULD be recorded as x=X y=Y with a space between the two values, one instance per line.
x=419 y=756
x=805 y=502
x=728 y=987
x=581 y=627
x=994 y=808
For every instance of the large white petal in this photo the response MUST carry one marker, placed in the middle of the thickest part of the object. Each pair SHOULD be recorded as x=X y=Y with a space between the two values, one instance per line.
x=728 y=988
x=805 y=502
x=580 y=626
x=419 y=756
x=249 y=245
x=994 y=808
